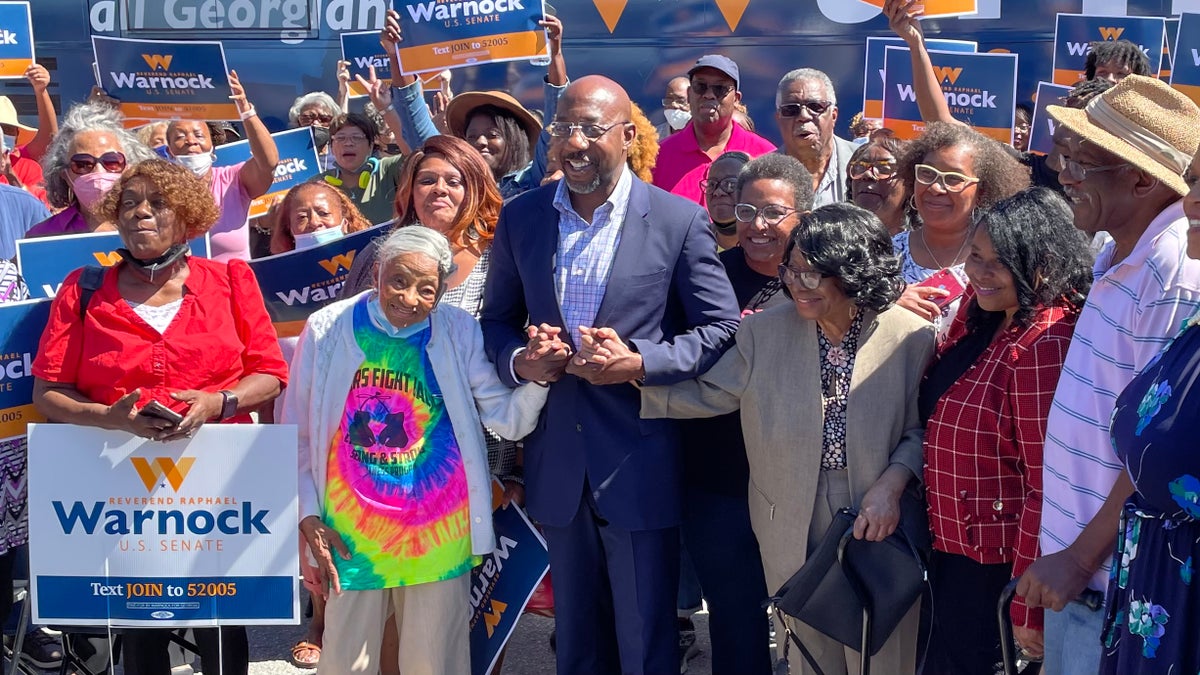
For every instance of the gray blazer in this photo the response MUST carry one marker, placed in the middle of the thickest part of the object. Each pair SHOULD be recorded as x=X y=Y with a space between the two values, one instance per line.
x=773 y=375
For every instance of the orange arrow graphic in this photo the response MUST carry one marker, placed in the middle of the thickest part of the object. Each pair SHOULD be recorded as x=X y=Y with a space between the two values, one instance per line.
x=610 y=11
x=732 y=10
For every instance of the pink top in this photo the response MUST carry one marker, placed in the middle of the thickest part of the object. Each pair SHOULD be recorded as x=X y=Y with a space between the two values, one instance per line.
x=67 y=221
x=230 y=236
x=682 y=164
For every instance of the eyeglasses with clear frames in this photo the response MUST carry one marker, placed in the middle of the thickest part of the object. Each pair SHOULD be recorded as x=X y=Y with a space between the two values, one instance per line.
x=591 y=132
x=772 y=214
x=881 y=170
x=951 y=181
x=809 y=280
x=1082 y=171
x=726 y=185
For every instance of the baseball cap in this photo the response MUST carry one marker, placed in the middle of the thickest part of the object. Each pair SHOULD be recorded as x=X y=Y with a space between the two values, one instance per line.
x=717 y=62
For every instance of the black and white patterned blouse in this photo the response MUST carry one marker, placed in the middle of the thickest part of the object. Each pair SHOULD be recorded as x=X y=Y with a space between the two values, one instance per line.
x=837 y=365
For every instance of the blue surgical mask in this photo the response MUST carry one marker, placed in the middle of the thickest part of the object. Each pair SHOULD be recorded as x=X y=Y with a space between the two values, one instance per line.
x=375 y=310
x=319 y=237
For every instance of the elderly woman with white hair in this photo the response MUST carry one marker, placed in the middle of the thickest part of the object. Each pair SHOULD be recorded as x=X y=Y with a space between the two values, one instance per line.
x=390 y=393
x=315 y=109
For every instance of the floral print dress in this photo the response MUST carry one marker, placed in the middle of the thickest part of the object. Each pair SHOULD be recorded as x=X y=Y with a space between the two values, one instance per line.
x=1152 y=623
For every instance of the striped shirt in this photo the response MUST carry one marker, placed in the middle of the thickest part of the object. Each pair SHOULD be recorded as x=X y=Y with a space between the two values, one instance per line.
x=1133 y=310
x=586 y=252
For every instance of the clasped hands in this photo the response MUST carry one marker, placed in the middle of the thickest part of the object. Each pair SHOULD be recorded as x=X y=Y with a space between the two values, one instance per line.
x=603 y=358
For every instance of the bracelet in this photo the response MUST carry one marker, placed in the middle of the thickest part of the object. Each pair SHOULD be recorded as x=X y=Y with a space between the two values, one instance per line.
x=389 y=108
x=513 y=479
x=248 y=114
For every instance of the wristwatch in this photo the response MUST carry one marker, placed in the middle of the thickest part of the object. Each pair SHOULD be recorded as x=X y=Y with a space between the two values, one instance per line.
x=229 y=404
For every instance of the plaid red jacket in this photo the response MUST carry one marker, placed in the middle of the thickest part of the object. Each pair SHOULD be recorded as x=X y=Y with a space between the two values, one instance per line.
x=983 y=446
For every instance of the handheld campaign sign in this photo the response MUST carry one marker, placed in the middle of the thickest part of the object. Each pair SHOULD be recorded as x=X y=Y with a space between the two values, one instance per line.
x=21 y=326
x=933 y=9
x=874 y=75
x=143 y=533
x=1041 y=131
x=163 y=80
x=981 y=90
x=298 y=283
x=46 y=261
x=441 y=34
x=363 y=50
x=1185 y=75
x=1075 y=33
x=16 y=39
x=504 y=582
x=298 y=161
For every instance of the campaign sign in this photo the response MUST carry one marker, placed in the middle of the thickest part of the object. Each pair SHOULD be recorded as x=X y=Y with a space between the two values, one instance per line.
x=16 y=39
x=441 y=34
x=298 y=161
x=1172 y=30
x=981 y=90
x=1075 y=33
x=21 y=326
x=1041 y=134
x=165 y=80
x=1185 y=75
x=298 y=283
x=933 y=9
x=362 y=50
x=44 y=262
x=504 y=582
x=146 y=533
x=873 y=77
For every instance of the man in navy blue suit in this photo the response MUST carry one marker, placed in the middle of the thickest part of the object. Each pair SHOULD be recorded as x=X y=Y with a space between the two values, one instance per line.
x=600 y=249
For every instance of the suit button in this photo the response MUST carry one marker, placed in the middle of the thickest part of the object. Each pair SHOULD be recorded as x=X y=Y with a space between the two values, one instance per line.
x=478 y=519
x=579 y=427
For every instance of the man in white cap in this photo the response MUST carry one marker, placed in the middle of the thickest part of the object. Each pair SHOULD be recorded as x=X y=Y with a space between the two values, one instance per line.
x=25 y=145
x=1122 y=163
x=712 y=95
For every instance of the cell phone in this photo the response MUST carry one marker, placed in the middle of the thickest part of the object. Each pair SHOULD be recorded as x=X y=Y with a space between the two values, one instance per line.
x=945 y=280
x=159 y=411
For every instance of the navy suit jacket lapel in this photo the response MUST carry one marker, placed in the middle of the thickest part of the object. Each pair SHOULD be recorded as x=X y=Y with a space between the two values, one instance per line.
x=543 y=252
x=630 y=255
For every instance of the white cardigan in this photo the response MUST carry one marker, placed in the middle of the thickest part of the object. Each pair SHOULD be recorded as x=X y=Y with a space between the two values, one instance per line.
x=323 y=368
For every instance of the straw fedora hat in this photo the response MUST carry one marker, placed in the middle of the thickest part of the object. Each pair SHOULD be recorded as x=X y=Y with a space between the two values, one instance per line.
x=1143 y=121
x=460 y=107
x=10 y=123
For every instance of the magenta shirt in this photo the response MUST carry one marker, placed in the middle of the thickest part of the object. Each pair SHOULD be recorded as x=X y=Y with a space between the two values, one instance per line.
x=67 y=221
x=682 y=164
x=229 y=238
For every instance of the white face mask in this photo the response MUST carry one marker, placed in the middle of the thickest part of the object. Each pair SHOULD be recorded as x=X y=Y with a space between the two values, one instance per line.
x=678 y=119
x=319 y=237
x=198 y=164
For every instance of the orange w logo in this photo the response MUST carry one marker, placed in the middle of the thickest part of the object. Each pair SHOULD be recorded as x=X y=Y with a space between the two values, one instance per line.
x=332 y=265
x=944 y=73
x=158 y=61
x=152 y=471
x=492 y=619
x=107 y=259
x=1111 y=33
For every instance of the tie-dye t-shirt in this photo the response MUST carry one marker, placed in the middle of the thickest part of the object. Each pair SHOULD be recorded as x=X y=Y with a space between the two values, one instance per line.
x=396 y=489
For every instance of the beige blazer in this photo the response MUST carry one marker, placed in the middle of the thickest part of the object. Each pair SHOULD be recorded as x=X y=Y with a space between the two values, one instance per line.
x=773 y=375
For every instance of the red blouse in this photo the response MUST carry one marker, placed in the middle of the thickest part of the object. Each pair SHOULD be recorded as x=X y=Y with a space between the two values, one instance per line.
x=983 y=446
x=221 y=334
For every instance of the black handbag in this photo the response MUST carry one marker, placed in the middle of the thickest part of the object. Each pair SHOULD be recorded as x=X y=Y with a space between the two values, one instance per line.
x=856 y=591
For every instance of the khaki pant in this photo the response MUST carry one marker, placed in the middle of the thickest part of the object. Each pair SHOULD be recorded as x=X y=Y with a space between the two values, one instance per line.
x=431 y=619
x=898 y=656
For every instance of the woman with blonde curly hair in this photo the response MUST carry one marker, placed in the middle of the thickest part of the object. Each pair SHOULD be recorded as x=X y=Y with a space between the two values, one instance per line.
x=209 y=354
x=311 y=214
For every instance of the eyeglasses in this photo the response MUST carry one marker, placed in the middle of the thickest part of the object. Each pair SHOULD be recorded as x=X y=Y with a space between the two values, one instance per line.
x=83 y=163
x=726 y=185
x=951 y=181
x=883 y=169
x=810 y=280
x=306 y=119
x=718 y=90
x=1083 y=171
x=814 y=108
x=350 y=138
x=592 y=132
x=772 y=214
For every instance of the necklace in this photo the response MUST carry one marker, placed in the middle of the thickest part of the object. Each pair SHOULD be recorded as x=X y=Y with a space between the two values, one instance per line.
x=940 y=266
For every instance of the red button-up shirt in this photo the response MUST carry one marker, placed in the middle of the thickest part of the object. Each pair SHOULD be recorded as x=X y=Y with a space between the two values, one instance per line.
x=681 y=164
x=221 y=334
x=983 y=446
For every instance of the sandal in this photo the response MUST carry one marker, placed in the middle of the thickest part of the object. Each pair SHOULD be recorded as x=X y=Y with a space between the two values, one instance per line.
x=306 y=646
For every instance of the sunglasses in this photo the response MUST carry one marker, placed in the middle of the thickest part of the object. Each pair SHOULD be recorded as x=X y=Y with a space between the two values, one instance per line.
x=951 y=181
x=809 y=281
x=883 y=169
x=83 y=163
x=814 y=108
x=305 y=119
x=718 y=90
